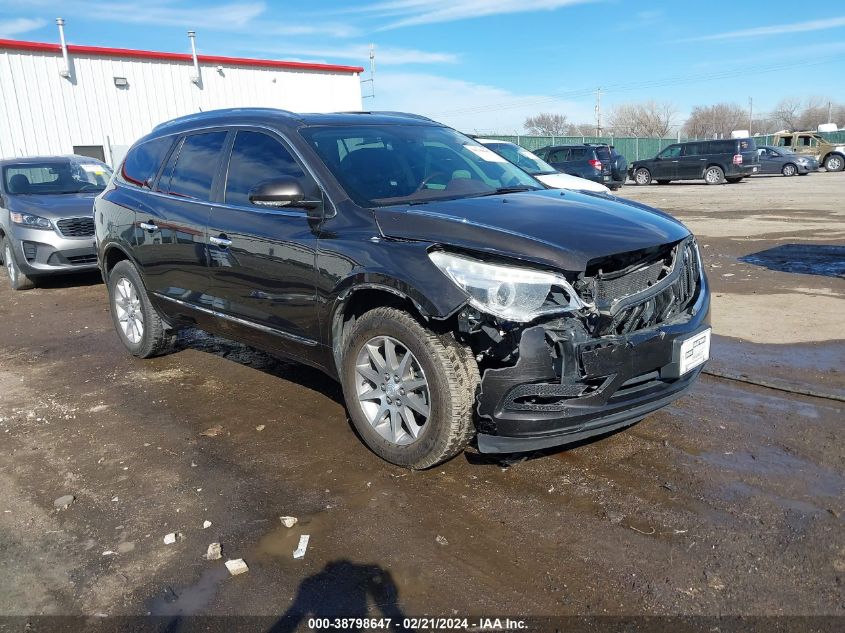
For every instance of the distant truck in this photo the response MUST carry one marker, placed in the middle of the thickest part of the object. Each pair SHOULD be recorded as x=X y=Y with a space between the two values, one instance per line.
x=811 y=144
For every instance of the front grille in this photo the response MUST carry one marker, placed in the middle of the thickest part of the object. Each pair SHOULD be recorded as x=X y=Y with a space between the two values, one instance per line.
x=82 y=259
x=655 y=308
x=611 y=290
x=76 y=227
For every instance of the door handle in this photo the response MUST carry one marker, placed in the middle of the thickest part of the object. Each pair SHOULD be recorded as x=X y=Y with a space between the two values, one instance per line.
x=148 y=226
x=222 y=241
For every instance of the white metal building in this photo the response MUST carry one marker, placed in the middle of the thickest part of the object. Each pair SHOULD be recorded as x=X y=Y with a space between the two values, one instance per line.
x=98 y=101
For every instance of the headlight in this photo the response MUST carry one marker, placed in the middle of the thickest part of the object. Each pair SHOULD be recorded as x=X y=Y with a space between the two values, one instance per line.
x=30 y=221
x=510 y=292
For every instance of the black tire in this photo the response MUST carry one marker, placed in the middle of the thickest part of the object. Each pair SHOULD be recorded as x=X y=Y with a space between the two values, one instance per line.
x=642 y=176
x=789 y=170
x=452 y=378
x=17 y=279
x=734 y=180
x=663 y=182
x=156 y=337
x=714 y=175
x=614 y=187
x=834 y=162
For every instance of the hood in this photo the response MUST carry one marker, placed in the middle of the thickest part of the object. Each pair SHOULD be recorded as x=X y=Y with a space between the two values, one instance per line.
x=561 y=229
x=54 y=207
x=565 y=181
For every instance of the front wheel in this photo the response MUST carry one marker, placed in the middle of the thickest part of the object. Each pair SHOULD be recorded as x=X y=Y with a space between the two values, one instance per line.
x=642 y=176
x=17 y=279
x=410 y=392
x=789 y=170
x=139 y=326
x=834 y=162
x=714 y=175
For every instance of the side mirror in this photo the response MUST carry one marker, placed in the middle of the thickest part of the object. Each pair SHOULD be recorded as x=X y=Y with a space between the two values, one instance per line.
x=282 y=192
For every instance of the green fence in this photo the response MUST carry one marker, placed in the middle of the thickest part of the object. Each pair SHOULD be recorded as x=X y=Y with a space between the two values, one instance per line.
x=631 y=148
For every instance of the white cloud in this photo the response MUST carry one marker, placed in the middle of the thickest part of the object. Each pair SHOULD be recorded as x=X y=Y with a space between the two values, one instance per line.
x=360 y=53
x=777 y=29
x=10 y=28
x=415 y=12
x=464 y=105
x=249 y=18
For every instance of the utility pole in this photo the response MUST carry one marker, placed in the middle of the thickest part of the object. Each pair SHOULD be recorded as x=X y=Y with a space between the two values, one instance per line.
x=830 y=111
x=372 y=79
x=598 y=111
x=750 y=115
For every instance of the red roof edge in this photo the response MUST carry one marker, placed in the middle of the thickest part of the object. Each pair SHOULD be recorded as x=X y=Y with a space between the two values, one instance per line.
x=44 y=47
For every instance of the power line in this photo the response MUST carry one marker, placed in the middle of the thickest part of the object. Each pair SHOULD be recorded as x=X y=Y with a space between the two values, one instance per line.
x=627 y=87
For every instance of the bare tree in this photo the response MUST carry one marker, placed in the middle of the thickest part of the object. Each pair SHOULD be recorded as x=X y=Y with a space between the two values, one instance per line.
x=787 y=113
x=546 y=124
x=649 y=119
x=718 y=120
x=581 y=129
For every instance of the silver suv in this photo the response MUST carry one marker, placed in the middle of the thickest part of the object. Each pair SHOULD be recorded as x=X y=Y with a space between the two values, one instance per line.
x=46 y=216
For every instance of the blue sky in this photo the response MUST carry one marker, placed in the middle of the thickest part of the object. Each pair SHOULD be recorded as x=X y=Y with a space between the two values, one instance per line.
x=484 y=65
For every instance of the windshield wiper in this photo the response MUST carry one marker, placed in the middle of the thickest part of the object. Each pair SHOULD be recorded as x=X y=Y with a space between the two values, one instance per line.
x=515 y=189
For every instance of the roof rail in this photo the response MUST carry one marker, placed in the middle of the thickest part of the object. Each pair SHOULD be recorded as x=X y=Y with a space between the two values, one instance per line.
x=199 y=116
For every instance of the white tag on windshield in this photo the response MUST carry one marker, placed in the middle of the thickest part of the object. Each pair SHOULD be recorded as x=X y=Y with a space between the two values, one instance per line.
x=485 y=153
x=92 y=169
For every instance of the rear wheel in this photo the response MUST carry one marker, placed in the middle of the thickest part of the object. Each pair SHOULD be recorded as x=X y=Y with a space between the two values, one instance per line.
x=834 y=162
x=138 y=324
x=410 y=392
x=642 y=176
x=17 y=279
x=789 y=170
x=714 y=175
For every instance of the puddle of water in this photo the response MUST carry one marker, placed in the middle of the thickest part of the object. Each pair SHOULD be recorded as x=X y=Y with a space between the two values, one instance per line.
x=805 y=259
x=190 y=600
x=769 y=462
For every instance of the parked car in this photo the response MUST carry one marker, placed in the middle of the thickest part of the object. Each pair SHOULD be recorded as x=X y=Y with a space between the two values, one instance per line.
x=594 y=161
x=449 y=292
x=540 y=169
x=715 y=162
x=811 y=144
x=782 y=160
x=46 y=216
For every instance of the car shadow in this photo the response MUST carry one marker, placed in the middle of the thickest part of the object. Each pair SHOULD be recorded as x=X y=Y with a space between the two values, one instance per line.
x=75 y=280
x=308 y=377
x=826 y=260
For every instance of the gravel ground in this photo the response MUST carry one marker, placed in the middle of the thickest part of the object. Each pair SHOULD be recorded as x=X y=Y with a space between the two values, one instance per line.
x=729 y=501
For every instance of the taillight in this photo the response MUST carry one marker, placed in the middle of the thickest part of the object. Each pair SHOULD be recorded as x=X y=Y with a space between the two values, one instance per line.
x=597 y=163
x=737 y=159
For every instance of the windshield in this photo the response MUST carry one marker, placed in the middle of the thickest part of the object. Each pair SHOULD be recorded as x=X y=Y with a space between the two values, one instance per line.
x=54 y=177
x=522 y=158
x=382 y=165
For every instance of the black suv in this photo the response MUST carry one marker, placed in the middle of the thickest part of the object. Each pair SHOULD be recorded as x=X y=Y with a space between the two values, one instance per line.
x=715 y=162
x=447 y=290
x=594 y=161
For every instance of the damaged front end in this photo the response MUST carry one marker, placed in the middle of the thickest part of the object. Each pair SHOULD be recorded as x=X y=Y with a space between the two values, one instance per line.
x=605 y=362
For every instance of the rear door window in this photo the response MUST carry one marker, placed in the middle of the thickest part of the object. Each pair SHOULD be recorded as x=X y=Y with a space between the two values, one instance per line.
x=692 y=149
x=257 y=157
x=558 y=156
x=673 y=151
x=723 y=147
x=143 y=161
x=192 y=169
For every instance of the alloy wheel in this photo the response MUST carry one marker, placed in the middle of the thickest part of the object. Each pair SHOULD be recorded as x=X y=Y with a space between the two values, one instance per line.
x=127 y=306
x=834 y=163
x=10 y=265
x=642 y=177
x=789 y=170
x=392 y=390
x=712 y=176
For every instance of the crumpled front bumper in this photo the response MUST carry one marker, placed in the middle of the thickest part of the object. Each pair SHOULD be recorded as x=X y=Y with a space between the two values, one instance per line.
x=619 y=380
